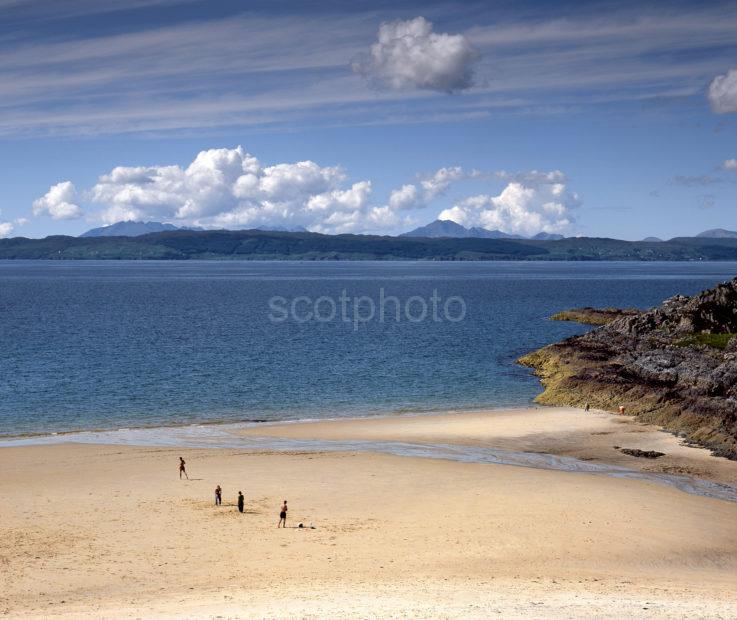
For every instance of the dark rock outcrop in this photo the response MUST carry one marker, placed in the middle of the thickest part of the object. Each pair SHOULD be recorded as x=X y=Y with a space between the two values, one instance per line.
x=642 y=454
x=675 y=366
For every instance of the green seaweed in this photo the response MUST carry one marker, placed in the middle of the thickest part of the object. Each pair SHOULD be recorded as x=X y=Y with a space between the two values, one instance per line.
x=716 y=341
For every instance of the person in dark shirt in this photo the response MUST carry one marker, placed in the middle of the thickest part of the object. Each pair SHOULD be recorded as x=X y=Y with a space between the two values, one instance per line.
x=240 y=501
x=218 y=495
x=283 y=515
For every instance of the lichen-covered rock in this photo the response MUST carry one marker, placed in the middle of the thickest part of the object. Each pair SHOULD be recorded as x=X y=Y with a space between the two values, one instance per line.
x=659 y=365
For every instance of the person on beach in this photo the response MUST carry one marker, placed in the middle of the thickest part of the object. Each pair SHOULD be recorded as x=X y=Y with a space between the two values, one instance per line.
x=182 y=468
x=240 y=501
x=283 y=515
x=218 y=495
x=587 y=407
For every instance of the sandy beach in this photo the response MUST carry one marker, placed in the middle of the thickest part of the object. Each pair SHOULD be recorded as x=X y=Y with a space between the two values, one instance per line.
x=110 y=531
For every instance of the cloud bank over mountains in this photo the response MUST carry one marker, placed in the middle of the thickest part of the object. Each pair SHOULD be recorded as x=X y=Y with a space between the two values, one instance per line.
x=530 y=203
x=230 y=188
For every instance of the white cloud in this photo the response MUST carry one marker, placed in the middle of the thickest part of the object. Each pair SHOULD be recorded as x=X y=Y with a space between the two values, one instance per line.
x=59 y=202
x=418 y=195
x=231 y=188
x=5 y=228
x=531 y=203
x=405 y=197
x=436 y=184
x=722 y=93
x=730 y=164
x=408 y=54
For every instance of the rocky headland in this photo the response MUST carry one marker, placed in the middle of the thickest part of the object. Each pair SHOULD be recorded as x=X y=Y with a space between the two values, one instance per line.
x=593 y=316
x=674 y=365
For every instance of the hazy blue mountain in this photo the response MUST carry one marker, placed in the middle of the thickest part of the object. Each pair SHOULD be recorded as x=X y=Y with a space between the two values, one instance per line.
x=544 y=236
x=438 y=228
x=718 y=233
x=448 y=228
x=483 y=233
x=130 y=229
x=653 y=239
x=281 y=228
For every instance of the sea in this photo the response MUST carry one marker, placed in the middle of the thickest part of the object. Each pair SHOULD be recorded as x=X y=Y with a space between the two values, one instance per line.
x=114 y=345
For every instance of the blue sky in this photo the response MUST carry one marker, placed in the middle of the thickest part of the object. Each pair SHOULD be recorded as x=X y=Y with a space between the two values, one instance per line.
x=585 y=118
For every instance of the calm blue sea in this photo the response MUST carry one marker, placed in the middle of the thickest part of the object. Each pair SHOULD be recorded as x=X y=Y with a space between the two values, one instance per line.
x=105 y=345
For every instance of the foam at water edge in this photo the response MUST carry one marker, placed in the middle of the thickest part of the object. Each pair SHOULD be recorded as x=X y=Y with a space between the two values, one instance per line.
x=224 y=436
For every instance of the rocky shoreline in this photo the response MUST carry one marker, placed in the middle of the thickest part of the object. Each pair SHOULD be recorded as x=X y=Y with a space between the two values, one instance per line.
x=675 y=366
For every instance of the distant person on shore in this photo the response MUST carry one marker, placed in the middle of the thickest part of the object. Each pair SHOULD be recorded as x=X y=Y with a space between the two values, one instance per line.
x=587 y=407
x=182 y=468
x=240 y=501
x=218 y=496
x=283 y=515
x=621 y=409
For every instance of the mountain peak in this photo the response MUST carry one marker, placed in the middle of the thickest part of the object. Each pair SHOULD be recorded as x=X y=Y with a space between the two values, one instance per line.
x=718 y=233
x=130 y=228
x=438 y=228
x=449 y=228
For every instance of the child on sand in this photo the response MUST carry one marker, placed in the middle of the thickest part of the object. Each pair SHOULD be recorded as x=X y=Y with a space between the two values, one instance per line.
x=240 y=501
x=283 y=515
x=218 y=495
x=182 y=469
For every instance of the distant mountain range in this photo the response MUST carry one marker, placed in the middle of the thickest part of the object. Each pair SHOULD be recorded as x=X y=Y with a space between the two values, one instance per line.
x=131 y=229
x=718 y=233
x=438 y=229
x=281 y=228
x=136 y=229
x=450 y=229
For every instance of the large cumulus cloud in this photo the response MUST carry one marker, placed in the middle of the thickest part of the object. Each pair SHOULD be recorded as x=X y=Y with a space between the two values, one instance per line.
x=409 y=55
x=229 y=188
x=531 y=202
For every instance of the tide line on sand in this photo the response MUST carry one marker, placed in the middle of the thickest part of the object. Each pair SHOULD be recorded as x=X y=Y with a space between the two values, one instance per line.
x=225 y=436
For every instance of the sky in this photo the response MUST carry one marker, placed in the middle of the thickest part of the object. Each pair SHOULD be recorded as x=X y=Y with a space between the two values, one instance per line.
x=608 y=119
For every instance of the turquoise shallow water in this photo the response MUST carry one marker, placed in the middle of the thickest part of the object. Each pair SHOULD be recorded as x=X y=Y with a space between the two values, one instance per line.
x=104 y=345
